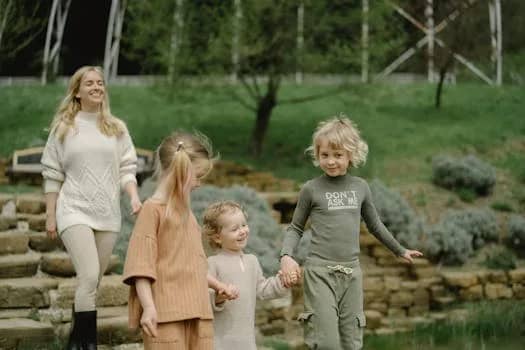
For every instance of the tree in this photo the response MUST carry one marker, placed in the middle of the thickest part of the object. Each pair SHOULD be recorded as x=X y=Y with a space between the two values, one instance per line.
x=464 y=37
x=20 y=24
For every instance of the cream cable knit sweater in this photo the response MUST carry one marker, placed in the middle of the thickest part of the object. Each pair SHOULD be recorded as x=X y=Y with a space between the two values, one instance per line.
x=88 y=170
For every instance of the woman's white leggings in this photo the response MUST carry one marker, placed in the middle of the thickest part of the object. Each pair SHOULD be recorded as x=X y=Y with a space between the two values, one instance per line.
x=90 y=252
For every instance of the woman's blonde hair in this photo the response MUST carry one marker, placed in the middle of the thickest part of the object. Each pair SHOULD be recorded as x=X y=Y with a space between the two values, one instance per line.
x=64 y=118
x=340 y=132
x=177 y=158
x=211 y=226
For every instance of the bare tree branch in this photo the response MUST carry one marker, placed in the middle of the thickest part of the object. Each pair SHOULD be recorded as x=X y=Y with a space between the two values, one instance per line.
x=327 y=93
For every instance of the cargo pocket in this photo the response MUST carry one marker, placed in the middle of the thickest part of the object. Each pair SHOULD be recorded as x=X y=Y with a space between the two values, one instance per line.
x=357 y=331
x=307 y=320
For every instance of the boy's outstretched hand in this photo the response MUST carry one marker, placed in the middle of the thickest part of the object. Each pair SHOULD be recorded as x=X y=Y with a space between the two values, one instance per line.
x=411 y=254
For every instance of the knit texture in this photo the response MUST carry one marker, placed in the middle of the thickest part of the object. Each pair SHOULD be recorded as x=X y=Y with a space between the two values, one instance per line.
x=235 y=321
x=88 y=169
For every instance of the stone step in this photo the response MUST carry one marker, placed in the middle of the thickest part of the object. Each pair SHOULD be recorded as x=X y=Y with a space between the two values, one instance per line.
x=20 y=332
x=13 y=242
x=35 y=222
x=26 y=292
x=54 y=315
x=7 y=222
x=111 y=292
x=59 y=264
x=40 y=242
x=111 y=330
x=19 y=265
x=30 y=203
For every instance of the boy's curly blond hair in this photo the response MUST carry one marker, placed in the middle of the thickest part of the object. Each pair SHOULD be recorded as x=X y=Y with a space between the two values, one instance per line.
x=340 y=132
x=211 y=226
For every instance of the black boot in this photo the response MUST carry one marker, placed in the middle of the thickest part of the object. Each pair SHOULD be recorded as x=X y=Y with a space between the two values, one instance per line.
x=83 y=331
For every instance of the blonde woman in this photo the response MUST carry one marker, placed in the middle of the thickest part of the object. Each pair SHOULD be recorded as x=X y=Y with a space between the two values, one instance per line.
x=88 y=158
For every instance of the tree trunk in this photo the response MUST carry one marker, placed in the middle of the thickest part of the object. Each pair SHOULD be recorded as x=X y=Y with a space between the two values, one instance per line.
x=442 y=73
x=265 y=106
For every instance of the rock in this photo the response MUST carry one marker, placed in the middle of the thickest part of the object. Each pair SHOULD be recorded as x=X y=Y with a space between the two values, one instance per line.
x=498 y=277
x=401 y=299
x=517 y=275
x=18 y=333
x=13 y=242
x=497 y=291
x=31 y=204
x=460 y=279
x=518 y=290
x=7 y=222
x=26 y=292
x=373 y=284
x=115 y=330
x=36 y=222
x=472 y=293
x=19 y=265
x=373 y=319
x=392 y=283
x=41 y=242
x=111 y=292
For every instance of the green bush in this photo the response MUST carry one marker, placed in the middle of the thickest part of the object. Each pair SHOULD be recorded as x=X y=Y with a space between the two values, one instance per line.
x=463 y=173
x=500 y=258
x=481 y=224
x=397 y=215
x=448 y=243
x=517 y=232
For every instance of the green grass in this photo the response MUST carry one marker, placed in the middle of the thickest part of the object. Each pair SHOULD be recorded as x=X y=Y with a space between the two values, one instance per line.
x=399 y=122
x=496 y=325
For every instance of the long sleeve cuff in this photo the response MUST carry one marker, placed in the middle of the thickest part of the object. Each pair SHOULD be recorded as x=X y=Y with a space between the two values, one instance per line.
x=52 y=186
x=127 y=178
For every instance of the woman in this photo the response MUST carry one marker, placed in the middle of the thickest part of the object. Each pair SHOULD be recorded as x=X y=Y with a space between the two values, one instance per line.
x=88 y=158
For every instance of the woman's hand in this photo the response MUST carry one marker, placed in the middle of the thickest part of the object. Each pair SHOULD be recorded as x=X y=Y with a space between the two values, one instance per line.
x=291 y=272
x=148 y=321
x=411 y=254
x=135 y=204
x=51 y=226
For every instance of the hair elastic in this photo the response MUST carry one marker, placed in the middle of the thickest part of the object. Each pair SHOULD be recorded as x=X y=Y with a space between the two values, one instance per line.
x=180 y=145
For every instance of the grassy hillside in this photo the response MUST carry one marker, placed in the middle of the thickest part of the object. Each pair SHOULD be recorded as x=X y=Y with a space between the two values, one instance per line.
x=399 y=122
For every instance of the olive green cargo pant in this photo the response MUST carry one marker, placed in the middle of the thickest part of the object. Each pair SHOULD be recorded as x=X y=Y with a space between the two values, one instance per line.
x=333 y=299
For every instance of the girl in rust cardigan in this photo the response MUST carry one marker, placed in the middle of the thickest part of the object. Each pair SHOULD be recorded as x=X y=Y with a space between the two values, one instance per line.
x=165 y=264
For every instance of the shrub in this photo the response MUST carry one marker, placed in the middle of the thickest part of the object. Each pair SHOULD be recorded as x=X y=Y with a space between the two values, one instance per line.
x=464 y=173
x=500 y=258
x=397 y=215
x=502 y=206
x=517 y=232
x=448 y=243
x=481 y=224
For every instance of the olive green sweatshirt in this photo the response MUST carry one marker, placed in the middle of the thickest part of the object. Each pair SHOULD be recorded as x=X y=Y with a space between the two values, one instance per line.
x=335 y=206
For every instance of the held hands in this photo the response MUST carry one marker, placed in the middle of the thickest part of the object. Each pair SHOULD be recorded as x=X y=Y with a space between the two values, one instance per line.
x=51 y=226
x=148 y=321
x=410 y=255
x=226 y=292
x=290 y=272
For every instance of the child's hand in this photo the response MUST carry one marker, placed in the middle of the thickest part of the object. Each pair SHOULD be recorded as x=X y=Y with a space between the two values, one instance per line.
x=292 y=277
x=288 y=267
x=148 y=321
x=410 y=254
x=228 y=291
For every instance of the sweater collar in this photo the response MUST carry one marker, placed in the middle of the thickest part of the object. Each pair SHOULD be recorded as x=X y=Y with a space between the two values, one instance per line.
x=87 y=116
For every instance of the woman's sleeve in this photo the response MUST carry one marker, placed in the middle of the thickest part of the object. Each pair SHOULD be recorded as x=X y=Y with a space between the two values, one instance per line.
x=53 y=171
x=141 y=257
x=128 y=160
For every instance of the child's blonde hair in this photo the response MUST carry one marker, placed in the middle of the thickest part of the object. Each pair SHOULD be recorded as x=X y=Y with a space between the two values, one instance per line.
x=177 y=158
x=340 y=132
x=211 y=226
x=64 y=118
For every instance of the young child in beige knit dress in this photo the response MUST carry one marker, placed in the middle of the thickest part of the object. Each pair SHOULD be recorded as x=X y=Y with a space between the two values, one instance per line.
x=227 y=230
